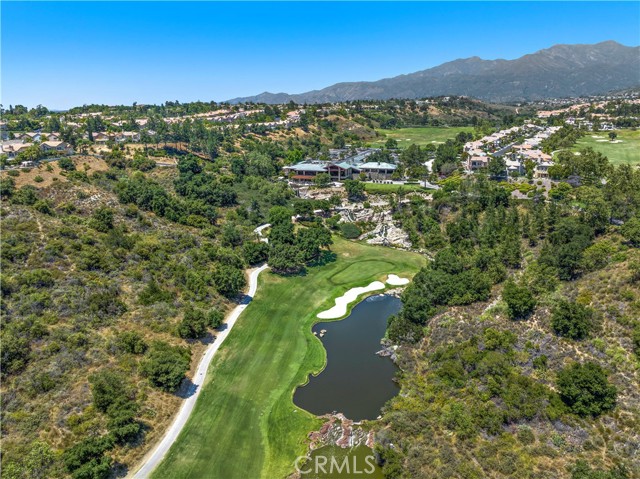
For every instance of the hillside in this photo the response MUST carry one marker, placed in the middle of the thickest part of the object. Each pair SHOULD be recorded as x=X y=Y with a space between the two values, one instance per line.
x=557 y=72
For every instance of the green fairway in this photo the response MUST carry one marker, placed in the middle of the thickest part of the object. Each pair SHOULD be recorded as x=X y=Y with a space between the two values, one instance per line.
x=245 y=424
x=419 y=136
x=627 y=151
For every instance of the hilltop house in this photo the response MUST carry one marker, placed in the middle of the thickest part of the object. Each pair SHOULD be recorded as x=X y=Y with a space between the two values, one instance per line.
x=58 y=146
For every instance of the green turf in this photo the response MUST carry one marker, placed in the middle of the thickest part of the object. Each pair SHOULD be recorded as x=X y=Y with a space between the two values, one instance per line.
x=384 y=188
x=419 y=136
x=628 y=151
x=245 y=424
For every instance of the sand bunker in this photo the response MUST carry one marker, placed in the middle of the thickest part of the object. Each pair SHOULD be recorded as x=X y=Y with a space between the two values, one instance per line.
x=340 y=309
x=394 y=280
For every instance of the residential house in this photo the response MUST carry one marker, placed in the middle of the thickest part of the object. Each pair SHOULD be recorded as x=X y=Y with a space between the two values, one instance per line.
x=58 y=146
x=12 y=148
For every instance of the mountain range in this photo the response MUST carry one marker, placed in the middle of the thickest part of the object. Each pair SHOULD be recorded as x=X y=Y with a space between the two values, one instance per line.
x=560 y=71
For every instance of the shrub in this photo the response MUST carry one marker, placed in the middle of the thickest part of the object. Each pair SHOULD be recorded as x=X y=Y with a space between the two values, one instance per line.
x=38 y=179
x=44 y=206
x=86 y=460
x=7 y=187
x=130 y=342
x=66 y=164
x=584 y=388
x=140 y=162
x=166 y=365
x=520 y=301
x=152 y=293
x=349 y=230
x=572 y=320
x=102 y=219
x=107 y=387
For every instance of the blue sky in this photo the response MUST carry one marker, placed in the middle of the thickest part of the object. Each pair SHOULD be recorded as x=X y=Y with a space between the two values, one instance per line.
x=66 y=54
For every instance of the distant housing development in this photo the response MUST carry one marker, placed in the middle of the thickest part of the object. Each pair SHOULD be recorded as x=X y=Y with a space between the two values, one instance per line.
x=517 y=145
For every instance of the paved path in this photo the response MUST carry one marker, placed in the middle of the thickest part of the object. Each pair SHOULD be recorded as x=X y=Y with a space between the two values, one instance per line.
x=258 y=231
x=154 y=458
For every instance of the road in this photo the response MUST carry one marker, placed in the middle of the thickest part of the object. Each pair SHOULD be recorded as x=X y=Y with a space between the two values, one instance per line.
x=151 y=461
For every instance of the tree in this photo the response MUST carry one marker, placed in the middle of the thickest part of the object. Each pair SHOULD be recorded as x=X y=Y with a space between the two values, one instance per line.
x=354 y=189
x=255 y=252
x=311 y=240
x=7 y=187
x=322 y=180
x=87 y=460
x=585 y=389
x=285 y=258
x=520 y=301
x=193 y=324
x=391 y=144
x=572 y=320
x=229 y=280
x=631 y=231
x=214 y=318
x=497 y=167
x=166 y=365
x=613 y=135
x=595 y=210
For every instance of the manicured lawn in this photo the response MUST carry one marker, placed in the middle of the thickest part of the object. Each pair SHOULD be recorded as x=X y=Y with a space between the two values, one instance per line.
x=245 y=424
x=627 y=151
x=384 y=188
x=419 y=136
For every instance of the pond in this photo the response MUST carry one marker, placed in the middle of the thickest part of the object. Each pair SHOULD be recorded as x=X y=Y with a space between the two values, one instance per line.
x=356 y=381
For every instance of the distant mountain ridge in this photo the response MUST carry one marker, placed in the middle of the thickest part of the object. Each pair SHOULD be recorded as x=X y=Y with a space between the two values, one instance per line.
x=556 y=72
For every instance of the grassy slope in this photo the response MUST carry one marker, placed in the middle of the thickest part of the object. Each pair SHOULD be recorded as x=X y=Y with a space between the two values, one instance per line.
x=383 y=188
x=419 y=136
x=618 y=153
x=245 y=423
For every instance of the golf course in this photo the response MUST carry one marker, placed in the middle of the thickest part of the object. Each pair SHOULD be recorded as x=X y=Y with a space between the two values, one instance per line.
x=245 y=424
x=420 y=136
x=625 y=149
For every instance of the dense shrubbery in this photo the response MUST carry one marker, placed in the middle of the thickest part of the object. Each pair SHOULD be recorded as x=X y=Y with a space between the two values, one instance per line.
x=586 y=390
x=166 y=365
x=519 y=299
x=572 y=320
x=290 y=251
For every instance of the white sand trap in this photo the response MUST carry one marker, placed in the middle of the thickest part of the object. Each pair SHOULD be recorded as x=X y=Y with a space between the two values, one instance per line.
x=394 y=280
x=616 y=141
x=601 y=141
x=340 y=309
x=596 y=136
